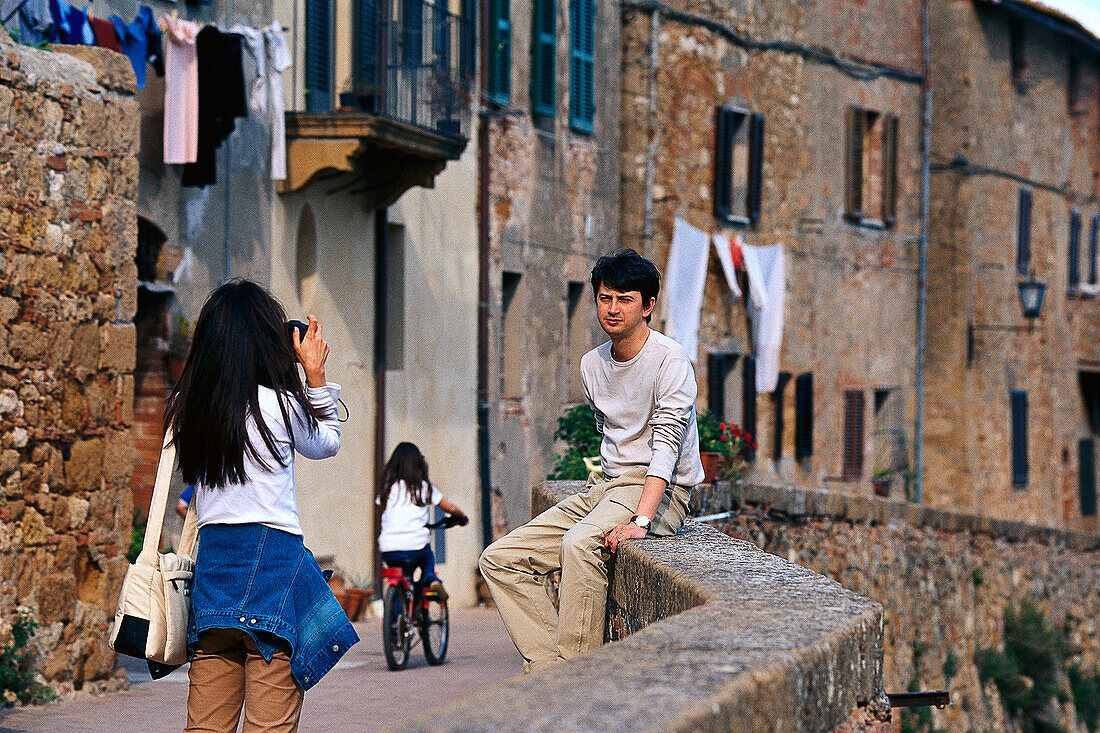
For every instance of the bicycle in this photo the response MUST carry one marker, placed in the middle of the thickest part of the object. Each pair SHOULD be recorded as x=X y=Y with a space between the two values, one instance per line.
x=408 y=607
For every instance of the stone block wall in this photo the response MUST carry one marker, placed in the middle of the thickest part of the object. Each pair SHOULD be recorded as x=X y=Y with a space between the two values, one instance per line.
x=68 y=181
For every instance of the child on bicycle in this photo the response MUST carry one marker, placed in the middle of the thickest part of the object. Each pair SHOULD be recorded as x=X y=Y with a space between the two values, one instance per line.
x=405 y=493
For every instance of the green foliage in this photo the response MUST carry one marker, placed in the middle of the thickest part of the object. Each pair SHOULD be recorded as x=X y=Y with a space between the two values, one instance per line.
x=17 y=673
x=1085 y=687
x=137 y=536
x=1026 y=672
x=950 y=666
x=977 y=576
x=577 y=429
x=709 y=431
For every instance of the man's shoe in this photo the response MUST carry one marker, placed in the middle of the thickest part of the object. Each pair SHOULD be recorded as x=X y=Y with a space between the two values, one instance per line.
x=436 y=588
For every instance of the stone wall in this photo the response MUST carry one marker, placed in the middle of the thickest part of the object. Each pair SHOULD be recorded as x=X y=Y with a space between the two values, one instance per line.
x=943 y=578
x=68 y=180
x=721 y=637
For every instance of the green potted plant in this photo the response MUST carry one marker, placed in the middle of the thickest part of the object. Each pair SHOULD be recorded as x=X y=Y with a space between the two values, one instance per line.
x=723 y=448
x=577 y=429
x=710 y=446
x=881 y=480
x=358 y=592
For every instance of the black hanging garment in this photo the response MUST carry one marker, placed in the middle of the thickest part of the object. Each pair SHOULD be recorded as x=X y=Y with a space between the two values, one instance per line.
x=221 y=99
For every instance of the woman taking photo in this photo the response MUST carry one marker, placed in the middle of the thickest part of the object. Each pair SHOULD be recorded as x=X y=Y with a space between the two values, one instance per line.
x=264 y=626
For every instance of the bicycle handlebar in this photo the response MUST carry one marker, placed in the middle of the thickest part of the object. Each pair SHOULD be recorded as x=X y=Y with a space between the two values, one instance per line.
x=451 y=520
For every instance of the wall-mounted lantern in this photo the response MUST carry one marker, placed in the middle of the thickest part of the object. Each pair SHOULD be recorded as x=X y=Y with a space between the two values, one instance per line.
x=1031 y=293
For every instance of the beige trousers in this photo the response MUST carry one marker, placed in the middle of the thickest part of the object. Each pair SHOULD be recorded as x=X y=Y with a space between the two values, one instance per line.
x=568 y=536
x=228 y=673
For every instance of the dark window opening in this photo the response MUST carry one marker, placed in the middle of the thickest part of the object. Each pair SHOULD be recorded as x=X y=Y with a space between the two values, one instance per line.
x=1017 y=53
x=1090 y=398
x=513 y=331
x=720 y=368
x=582 y=64
x=871 y=168
x=853 y=434
x=748 y=386
x=150 y=240
x=1073 y=274
x=1023 y=233
x=1094 y=236
x=1086 y=468
x=543 y=53
x=500 y=52
x=804 y=416
x=1019 y=437
x=738 y=164
x=578 y=337
x=780 y=424
x=318 y=71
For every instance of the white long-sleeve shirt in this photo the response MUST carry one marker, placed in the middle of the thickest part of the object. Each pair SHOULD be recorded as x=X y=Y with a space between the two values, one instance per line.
x=267 y=495
x=645 y=410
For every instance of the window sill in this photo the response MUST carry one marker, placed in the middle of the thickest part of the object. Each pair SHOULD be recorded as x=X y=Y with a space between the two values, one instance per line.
x=867 y=222
x=734 y=221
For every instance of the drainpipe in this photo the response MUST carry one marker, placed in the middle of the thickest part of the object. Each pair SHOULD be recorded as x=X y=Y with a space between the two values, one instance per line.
x=922 y=272
x=651 y=152
x=483 y=290
x=381 y=234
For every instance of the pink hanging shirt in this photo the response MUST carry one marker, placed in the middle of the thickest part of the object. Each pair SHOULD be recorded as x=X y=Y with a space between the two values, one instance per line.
x=181 y=91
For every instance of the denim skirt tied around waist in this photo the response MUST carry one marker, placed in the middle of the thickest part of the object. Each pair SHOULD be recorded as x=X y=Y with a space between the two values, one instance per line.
x=265 y=582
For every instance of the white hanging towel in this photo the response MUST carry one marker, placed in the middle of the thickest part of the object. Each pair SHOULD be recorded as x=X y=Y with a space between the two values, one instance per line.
x=685 y=278
x=767 y=290
x=278 y=61
x=725 y=256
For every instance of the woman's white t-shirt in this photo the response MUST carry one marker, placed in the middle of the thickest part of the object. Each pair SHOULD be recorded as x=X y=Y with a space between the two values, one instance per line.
x=403 y=521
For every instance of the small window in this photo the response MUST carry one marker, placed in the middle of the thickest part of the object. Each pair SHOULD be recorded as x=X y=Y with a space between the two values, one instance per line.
x=578 y=337
x=723 y=387
x=779 y=425
x=1086 y=468
x=871 y=168
x=1073 y=271
x=1090 y=398
x=500 y=52
x=513 y=336
x=1019 y=437
x=582 y=55
x=1073 y=85
x=1023 y=233
x=738 y=160
x=853 y=434
x=1094 y=236
x=412 y=33
x=543 y=52
x=804 y=416
x=318 y=71
x=1018 y=54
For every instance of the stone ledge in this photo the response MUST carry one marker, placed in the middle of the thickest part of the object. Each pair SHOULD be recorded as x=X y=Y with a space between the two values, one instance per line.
x=722 y=636
x=803 y=502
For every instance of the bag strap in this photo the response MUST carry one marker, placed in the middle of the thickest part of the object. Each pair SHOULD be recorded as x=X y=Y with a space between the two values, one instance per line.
x=151 y=545
x=190 y=532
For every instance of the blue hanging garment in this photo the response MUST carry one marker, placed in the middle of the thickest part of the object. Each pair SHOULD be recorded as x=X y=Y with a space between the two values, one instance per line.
x=140 y=41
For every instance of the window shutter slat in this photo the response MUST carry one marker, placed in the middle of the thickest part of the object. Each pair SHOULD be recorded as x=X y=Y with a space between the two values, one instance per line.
x=543 y=45
x=804 y=416
x=723 y=141
x=500 y=52
x=1019 y=437
x=318 y=56
x=853 y=434
x=582 y=40
x=1073 y=274
x=366 y=45
x=853 y=173
x=756 y=165
x=1094 y=236
x=1086 y=468
x=1023 y=234
x=890 y=169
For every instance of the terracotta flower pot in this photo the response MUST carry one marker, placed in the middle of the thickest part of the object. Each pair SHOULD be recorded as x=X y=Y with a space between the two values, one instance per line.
x=710 y=461
x=350 y=603
x=881 y=485
x=359 y=598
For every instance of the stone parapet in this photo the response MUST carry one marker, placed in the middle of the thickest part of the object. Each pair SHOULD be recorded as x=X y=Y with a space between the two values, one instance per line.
x=713 y=634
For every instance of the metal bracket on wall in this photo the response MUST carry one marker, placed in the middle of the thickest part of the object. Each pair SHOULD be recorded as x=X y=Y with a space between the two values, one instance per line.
x=939 y=699
x=972 y=335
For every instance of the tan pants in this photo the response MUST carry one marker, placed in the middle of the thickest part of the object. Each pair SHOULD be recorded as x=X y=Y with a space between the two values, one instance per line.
x=228 y=672
x=568 y=536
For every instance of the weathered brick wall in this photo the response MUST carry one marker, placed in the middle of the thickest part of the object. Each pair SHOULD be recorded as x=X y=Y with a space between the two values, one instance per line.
x=943 y=578
x=68 y=179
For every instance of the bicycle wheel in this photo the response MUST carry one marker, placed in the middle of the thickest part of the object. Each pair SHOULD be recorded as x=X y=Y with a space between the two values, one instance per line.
x=395 y=628
x=435 y=630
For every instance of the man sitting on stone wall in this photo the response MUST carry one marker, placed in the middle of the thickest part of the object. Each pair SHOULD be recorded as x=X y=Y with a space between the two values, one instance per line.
x=641 y=386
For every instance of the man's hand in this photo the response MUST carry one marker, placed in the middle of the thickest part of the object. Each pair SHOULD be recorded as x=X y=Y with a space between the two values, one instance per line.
x=628 y=531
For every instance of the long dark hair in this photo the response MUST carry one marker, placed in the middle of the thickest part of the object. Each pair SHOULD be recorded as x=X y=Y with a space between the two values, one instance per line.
x=240 y=343
x=406 y=464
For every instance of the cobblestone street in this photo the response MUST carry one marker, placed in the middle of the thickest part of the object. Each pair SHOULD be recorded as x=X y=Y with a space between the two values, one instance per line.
x=360 y=694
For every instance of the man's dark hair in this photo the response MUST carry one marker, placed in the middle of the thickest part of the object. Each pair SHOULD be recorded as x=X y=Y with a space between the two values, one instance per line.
x=627 y=270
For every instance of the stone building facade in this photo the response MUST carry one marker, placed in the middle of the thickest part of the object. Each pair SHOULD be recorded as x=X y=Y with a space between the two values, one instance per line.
x=552 y=199
x=68 y=190
x=809 y=113
x=1014 y=410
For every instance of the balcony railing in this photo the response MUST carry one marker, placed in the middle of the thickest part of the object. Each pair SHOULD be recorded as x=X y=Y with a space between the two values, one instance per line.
x=415 y=62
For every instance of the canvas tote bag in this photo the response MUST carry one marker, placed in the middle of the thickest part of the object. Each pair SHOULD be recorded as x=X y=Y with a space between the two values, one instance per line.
x=151 y=618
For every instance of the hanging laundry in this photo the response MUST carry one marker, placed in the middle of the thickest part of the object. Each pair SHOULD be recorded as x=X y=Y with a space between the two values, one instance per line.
x=105 y=34
x=221 y=100
x=30 y=21
x=256 y=127
x=685 y=278
x=140 y=41
x=723 y=245
x=278 y=61
x=69 y=23
x=736 y=244
x=767 y=292
x=181 y=92
x=87 y=36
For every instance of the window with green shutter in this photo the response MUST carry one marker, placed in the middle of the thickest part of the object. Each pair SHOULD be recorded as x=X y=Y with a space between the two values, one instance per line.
x=543 y=42
x=500 y=51
x=582 y=51
x=318 y=56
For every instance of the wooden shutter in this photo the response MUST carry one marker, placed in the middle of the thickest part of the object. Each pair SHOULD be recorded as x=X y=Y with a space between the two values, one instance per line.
x=749 y=393
x=366 y=47
x=889 y=169
x=500 y=51
x=804 y=416
x=725 y=125
x=756 y=166
x=853 y=434
x=543 y=52
x=318 y=56
x=853 y=164
x=412 y=33
x=1086 y=469
x=582 y=44
x=1073 y=272
x=1019 y=437
x=1023 y=233
x=1094 y=236
x=718 y=369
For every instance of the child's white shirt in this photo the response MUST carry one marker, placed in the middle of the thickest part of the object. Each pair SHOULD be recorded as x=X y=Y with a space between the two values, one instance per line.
x=403 y=521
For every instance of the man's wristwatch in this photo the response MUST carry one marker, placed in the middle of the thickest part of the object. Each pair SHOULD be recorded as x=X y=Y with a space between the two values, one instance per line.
x=642 y=521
